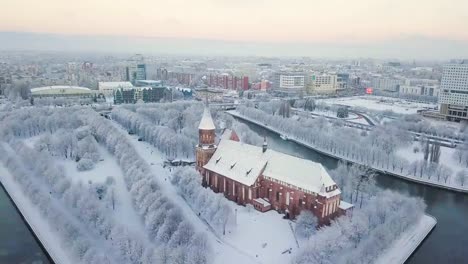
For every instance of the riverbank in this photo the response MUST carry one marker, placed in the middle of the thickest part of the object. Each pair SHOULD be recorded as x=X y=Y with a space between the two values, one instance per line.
x=326 y=153
x=405 y=245
x=32 y=217
x=402 y=248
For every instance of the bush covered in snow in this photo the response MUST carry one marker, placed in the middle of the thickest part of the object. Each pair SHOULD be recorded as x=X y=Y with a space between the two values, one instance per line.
x=85 y=164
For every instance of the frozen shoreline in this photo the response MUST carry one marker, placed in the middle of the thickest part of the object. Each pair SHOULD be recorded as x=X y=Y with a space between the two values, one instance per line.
x=41 y=229
x=402 y=248
x=300 y=142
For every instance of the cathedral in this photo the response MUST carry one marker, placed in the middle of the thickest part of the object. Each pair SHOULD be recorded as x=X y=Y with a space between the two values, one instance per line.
x=267 y=179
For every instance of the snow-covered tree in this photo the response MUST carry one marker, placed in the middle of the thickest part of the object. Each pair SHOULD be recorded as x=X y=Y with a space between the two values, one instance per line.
x=85 y=164
x=306 y=224
x=462 y=177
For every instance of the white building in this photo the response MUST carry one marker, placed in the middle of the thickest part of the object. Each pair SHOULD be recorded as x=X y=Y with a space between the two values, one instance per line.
x=108 y=88
x=420 y=90
x=386 y=83
x=453 y=97
x=323 y=83
x=290 y=82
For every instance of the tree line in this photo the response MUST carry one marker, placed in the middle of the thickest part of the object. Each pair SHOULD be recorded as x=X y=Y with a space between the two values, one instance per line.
x=376 y=148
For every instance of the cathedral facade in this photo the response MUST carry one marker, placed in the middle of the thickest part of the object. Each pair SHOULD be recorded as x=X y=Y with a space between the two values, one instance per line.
x=267 y=179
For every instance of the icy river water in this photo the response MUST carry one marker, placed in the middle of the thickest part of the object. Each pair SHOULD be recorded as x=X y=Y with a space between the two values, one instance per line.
x=17 y=243
x=448 y=242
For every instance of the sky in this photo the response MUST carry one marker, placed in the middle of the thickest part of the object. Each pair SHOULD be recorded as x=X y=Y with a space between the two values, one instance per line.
x=276 y=22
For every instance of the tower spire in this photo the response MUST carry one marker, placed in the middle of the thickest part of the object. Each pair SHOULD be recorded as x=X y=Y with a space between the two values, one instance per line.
x=206 y=122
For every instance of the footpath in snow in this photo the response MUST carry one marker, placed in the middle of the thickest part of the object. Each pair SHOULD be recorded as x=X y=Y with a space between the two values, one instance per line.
x=224 y=252
x=408 y=242
x=392 y=173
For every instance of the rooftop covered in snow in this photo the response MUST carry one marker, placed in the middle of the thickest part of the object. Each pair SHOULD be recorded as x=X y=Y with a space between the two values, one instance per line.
x=206 y=122
x=61 y=90
x=345 y=206
x=244 y=163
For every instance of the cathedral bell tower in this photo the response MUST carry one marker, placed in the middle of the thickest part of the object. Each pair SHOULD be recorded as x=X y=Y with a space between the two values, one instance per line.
x=206 y=140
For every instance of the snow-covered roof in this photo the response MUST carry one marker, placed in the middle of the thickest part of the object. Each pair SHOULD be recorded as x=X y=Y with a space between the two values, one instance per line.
x=240 y=162
x=59 y=87
x=206 y=122
x=226 y=133
x=263 y=202
x=114 y=85
x=244 y=163
x=344 y=205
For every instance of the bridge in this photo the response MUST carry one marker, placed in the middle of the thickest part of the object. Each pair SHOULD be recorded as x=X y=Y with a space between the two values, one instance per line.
x=224 y=106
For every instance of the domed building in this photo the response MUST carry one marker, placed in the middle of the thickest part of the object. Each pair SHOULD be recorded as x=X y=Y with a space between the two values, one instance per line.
x=62 y=91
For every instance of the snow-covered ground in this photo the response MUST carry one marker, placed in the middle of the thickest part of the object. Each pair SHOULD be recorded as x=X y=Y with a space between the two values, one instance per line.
x=447 y=158
x=263 y=235
x=403 y=247
x=254 y=237
x=106 y=167
x=124 y=212
x=396 y=105
x=224 y=251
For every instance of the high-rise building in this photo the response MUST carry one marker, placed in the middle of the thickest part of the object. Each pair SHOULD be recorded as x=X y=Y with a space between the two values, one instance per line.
x=323 y=83
x=453 y=96
x=386 y=83
x=135 y=72
x=342 y=80
x=293 y=82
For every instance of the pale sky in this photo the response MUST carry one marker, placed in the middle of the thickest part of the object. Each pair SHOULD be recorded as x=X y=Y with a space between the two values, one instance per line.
x=242 y=20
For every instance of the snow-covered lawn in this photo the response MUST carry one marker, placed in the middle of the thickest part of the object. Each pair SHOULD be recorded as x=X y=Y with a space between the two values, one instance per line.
x=263 y=235
x=447 y=158
x=124 y=212
x=403 y=247
x=399 y=106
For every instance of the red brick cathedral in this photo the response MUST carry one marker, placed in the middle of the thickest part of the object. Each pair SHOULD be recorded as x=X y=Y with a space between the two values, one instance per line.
x=265 y=178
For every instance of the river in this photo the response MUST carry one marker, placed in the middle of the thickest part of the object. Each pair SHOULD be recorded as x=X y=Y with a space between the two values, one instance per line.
x=448 y=242
x=17 y=242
